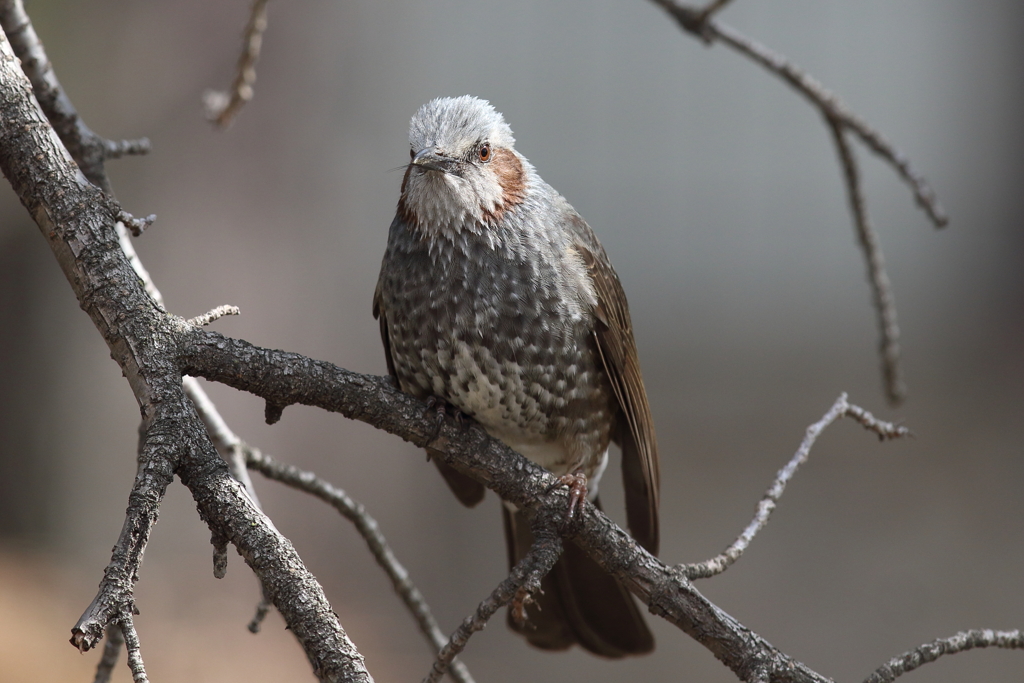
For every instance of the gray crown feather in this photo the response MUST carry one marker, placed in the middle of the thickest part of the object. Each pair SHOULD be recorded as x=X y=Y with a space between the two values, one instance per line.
x=453 y=124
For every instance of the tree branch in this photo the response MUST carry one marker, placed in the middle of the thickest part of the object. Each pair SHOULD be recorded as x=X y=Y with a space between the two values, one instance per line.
x=78 y=222
x=284 y=378
x=87 y=147
x=115 y=597
x=524 y=579
x=131 y=641
x=222 y=107
x=370 y=531
x=111 y=650
x=839 y=118
x=695 y=21
x=881 y=289
x=841 y=408
x=929 y=652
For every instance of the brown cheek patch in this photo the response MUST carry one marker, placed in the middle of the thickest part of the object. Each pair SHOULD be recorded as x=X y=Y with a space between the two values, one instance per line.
x=506 y=165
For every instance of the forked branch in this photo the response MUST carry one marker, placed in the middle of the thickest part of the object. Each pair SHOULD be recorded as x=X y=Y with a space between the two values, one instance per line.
x=523 y=580
x=841 y=408
x=370 y=531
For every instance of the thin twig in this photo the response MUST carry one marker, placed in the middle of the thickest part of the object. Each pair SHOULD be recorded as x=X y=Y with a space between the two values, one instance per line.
x=262 y=608
x=711 y=9
x=831 y=106
x=222 y=107
x=215 y=314
x=370 y=531
x=839 y=118
x=841 y=408
x=220 y=555
x=524 y=577
x=111 y=650
x=115 y=591
x=135 y=225
x=881 y=289
x=929 y=652
x=131 y=641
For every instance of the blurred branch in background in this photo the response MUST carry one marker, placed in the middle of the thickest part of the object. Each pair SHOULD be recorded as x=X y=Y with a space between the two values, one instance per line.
x=222 y=107
x=700 y=22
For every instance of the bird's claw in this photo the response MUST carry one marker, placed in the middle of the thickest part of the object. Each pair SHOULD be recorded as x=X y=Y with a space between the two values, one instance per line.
x=519 y=602
x=441 y=407
x=577 y=483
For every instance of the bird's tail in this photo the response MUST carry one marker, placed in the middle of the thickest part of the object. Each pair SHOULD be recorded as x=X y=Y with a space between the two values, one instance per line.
x=580 y=603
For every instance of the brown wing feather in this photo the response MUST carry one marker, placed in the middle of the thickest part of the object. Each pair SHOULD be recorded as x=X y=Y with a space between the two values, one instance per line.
x=614 y=334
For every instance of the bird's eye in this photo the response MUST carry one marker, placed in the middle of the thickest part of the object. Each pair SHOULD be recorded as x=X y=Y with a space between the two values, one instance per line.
x=411 y=153
x=484 y=152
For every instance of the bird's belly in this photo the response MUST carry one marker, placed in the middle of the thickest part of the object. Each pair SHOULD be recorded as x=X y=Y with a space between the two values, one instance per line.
x=493 y=392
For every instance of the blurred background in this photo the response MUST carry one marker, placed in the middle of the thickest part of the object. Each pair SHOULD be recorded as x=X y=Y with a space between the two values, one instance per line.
x=717 y=193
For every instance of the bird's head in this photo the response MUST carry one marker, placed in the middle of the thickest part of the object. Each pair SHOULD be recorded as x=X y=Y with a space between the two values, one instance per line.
x=463 y=172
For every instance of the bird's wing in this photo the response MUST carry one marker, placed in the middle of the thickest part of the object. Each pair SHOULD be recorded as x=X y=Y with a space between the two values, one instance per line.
x=379 y=314
x=614 y=334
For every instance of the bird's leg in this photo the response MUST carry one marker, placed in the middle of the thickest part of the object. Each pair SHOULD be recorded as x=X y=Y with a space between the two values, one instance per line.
x=441 y=407
x=577 y=483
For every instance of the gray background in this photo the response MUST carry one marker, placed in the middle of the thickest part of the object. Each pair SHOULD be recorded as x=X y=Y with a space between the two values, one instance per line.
x=717 y=194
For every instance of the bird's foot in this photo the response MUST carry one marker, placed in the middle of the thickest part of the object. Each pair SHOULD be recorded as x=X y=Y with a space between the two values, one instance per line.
x=577 y=483
x=441 y=407
x=518 y=606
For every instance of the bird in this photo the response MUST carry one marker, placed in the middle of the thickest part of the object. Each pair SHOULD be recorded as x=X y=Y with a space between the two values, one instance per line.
x=496 y=299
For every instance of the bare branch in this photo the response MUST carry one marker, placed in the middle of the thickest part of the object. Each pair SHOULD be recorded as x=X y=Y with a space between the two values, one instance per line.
x=839 y=118
x=525 y=578
x=370 y=531
x=881 y=290
x=284 y=378
x=215 y=314
x=89 y=149
x=222 y=107
x=841 y=408
x=135 y=225
x=929 y=652
x=111 y=650
x=74 y=217
x=690 y=19
x=131 y=641
x=262 y=608
x=115 y=592
x=711 y=9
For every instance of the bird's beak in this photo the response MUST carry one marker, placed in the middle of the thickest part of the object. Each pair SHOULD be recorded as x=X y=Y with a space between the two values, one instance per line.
x=429 y=159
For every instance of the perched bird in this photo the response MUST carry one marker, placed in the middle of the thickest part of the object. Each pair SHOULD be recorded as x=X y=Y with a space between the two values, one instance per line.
x=496 y=298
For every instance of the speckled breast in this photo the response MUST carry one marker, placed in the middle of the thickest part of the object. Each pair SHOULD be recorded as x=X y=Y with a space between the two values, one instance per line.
x=495 y=331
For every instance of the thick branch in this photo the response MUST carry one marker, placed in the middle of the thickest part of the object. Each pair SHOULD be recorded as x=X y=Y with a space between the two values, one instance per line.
x=284 y=378
x=78 y=222
x=370 y=531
